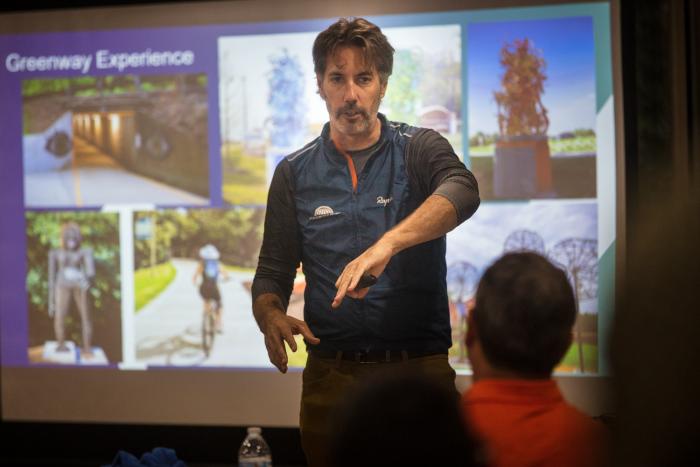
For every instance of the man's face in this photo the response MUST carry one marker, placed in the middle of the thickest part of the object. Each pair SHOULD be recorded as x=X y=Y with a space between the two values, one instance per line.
x=352 y=91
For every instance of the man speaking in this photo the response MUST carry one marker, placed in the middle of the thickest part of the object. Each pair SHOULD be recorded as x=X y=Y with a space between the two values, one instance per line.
x=371 y=200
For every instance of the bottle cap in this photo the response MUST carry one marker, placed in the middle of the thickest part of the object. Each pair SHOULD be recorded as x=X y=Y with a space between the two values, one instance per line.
x=254 y=430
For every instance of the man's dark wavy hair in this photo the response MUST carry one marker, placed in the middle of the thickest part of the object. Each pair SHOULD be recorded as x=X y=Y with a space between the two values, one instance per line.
x=524 y=314
x=356 y=32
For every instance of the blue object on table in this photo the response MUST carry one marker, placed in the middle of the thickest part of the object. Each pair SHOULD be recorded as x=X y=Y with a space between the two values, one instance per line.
x=159 y=457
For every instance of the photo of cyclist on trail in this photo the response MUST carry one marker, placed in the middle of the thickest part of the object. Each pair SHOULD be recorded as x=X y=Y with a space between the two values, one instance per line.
x=191 y=280
x=210 y=270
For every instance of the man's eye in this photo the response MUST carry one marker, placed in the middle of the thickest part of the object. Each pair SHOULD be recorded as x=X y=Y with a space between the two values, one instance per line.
x=365 y=79
x=336 y=79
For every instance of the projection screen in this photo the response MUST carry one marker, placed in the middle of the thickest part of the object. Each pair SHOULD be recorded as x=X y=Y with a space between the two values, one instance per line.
x=133 y=137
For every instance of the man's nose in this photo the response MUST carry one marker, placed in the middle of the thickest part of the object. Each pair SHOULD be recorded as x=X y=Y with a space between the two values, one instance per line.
x=350 y=92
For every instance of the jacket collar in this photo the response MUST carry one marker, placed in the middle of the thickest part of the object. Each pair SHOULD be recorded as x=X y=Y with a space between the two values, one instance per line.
x=326 y=133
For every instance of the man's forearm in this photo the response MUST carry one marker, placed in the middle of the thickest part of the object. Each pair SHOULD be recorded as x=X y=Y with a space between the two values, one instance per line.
x=433 y=219
x=266 y=305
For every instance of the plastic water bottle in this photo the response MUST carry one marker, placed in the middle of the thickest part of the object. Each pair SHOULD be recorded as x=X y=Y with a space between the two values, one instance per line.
x=254 y=451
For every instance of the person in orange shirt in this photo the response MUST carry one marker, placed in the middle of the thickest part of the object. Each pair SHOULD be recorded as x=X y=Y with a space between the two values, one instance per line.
x=519 y=329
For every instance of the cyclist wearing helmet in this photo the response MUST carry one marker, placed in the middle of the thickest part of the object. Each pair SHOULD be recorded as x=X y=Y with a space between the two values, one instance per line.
x=209 y=268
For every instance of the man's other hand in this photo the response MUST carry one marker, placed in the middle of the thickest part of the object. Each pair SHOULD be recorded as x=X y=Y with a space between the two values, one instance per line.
x=279 y=328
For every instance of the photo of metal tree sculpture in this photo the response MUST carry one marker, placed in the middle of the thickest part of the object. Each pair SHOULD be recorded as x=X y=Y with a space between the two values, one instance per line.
x=70 y=269
x=524 y=240
x=462 y=279
x=522 y=164
x=579 y=258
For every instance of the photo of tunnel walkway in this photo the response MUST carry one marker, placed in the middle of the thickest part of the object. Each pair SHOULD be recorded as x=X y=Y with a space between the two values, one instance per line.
x=115 y=140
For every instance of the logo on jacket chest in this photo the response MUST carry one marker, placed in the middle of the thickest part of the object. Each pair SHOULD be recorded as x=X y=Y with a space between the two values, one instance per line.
x=322 y=212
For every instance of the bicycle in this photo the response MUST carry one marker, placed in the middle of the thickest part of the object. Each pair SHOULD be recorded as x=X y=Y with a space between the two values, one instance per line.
x=209 y=326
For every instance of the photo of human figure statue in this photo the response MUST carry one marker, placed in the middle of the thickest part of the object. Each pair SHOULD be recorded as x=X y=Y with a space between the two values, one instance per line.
x=71 y=267
x=73 y=286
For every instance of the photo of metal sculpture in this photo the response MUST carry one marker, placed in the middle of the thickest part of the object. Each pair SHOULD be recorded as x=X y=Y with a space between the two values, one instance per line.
x=73 y=288
x=533 y=113
x=462 y=279
x=563 y=232
x=269 y=107
x=522 y=146
x=579 y=258
x=71 y=268
x=524 y=240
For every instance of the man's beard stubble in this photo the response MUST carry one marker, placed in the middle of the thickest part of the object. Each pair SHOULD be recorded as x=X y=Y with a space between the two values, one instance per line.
x=351 y=108
x=366 y=118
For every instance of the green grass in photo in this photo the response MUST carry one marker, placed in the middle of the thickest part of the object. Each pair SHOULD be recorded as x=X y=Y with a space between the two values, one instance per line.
x=484 y=150
x=570 y=362
x=244 y=176
x=577 y=145
x=149 y=282
x=297 y=359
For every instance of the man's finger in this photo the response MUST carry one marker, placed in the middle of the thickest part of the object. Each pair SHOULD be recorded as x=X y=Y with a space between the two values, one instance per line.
x=303 y=329
x=289 y=337
x=340 y=294
x=355 y=279
x=276 y=352
x=346 y=273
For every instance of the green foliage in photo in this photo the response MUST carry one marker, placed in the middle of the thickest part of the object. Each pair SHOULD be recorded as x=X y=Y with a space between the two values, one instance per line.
x=236 y=233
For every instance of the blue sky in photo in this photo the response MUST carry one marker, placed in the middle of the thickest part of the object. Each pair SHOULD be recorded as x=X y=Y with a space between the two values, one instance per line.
x=567 y=45
x=480 y=240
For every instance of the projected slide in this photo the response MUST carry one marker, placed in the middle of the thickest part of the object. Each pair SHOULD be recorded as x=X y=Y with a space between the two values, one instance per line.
x=270 y=107
x=565 y=232
x=87 y=138
x=184 y=259
x=135 y=166
x=532 y=108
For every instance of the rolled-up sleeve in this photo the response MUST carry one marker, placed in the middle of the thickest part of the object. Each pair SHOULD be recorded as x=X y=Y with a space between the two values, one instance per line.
x=434 y=168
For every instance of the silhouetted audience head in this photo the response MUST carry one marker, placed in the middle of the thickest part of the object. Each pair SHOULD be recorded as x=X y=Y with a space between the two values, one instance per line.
x=401 y=419
x=523 y=316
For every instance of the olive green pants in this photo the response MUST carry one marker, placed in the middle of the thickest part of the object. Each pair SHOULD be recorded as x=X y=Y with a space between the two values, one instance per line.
x=326 y=383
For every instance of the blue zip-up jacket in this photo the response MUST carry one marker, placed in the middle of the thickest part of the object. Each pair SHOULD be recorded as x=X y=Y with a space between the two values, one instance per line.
x=316 y=217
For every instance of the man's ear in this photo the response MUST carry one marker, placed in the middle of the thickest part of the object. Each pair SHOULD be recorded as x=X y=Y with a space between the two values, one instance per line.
x=383 y=89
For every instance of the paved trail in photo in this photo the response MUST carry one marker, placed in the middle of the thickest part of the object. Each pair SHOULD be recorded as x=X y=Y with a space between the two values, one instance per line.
x=93 y=178
x=168 y=329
